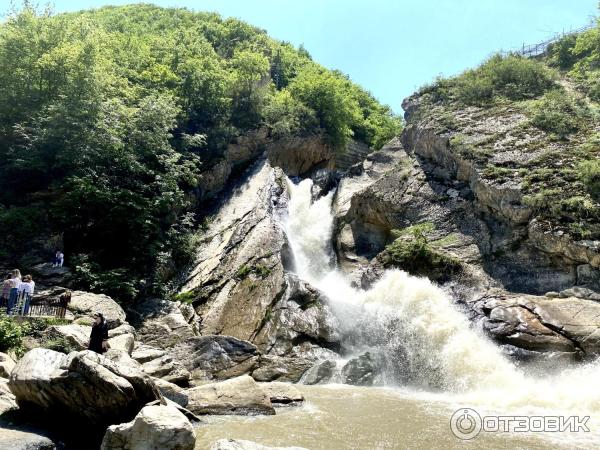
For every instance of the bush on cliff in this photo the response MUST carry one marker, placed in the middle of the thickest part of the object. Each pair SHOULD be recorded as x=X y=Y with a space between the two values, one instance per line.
x=412 y=251
x=512 y=77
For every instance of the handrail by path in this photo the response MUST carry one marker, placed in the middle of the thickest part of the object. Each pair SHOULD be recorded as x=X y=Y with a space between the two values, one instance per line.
x=533 y=50
x=25 y=305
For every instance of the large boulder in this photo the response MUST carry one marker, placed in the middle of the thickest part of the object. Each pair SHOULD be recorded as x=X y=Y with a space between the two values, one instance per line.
x=169 y=369
x=563 y=326
x=363 y=370
x=216 y=357
x=84 y=386
x=16 y=439
x=7 y=364
x=240 y=444
x=241 y=395
x=281 y=368
x=156 y=427
x=164 y=323
x=83 y=305
x=282 y=393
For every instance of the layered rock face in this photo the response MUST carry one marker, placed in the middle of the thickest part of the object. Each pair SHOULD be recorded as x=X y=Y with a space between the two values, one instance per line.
x=509 y=257
x=240 y=286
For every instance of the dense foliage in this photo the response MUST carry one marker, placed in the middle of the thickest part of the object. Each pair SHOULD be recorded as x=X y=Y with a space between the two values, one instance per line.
x=107 y=116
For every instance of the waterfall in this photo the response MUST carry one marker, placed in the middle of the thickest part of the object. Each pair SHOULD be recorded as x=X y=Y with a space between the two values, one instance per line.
x=425 y=340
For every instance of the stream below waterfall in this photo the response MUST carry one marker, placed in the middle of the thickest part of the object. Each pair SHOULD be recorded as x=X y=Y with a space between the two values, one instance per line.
x=435 y=362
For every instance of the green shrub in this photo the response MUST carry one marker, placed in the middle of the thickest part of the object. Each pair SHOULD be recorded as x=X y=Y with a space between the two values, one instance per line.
x=512 y=77
x=60 y=344
x=557 y=112
x=589 y=173
x=412 y=251
x=11 y=334
x=560 y=53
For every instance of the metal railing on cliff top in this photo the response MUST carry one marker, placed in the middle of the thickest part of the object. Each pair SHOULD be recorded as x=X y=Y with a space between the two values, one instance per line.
x=533 y=50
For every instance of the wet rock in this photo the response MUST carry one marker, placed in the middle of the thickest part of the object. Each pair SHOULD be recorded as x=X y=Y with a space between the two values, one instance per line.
x=281 y=368
x=239 y=444
x=322 y=373
x=154 y=427
x=6 y=365
x=282 y=393
x=240 y=395
x=566 y=325
x=362 y=370
x=84 y=386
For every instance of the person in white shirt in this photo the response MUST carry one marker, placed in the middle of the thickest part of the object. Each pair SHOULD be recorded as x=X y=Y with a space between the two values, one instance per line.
x=15 y=282
x=27 y=285
x=61 y=259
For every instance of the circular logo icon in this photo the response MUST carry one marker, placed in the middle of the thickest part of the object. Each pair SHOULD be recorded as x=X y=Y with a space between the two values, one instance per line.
x=465 y=423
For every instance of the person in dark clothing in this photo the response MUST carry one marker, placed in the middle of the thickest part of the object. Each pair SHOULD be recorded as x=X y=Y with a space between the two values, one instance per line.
x=99 y=336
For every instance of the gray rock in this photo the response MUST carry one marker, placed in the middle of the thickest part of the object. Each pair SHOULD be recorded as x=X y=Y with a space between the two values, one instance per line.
x=281 y=368
x=172 y=392
x=282 y=393
x=84 y=386
x=362 y=370
x=164 y=323
x=85 y=304
x=240 y=395
x=144 y=353
x=321 y=373
x=168 y=369
x=155 y=427
x=7 y=364
x=215 y=357
x=16 y=439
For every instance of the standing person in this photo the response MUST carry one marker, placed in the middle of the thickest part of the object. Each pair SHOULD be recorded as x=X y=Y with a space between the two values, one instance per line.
x=6 y=286
x=26 y=289
x=61 y=259
x=99 y=337
x=56 y=258
x=15 y=280
x=63 y=301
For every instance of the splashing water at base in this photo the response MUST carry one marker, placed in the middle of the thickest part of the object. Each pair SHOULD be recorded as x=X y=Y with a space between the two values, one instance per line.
x=427 y=341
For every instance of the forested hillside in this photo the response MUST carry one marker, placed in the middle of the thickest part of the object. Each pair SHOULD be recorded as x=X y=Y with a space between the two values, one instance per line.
x=107 y=116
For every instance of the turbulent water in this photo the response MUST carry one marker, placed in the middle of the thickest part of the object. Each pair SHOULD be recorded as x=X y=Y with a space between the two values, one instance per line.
x=435 y=362
x=427 y=342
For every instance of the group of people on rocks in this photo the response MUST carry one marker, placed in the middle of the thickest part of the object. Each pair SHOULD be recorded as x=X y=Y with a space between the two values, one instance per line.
x=14 y=287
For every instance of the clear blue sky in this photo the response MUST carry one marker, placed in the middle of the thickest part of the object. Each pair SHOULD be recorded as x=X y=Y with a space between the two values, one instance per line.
x=392 y=47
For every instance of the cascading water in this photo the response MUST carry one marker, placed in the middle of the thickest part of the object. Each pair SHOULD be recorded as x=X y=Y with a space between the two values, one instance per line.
x=426 y=341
